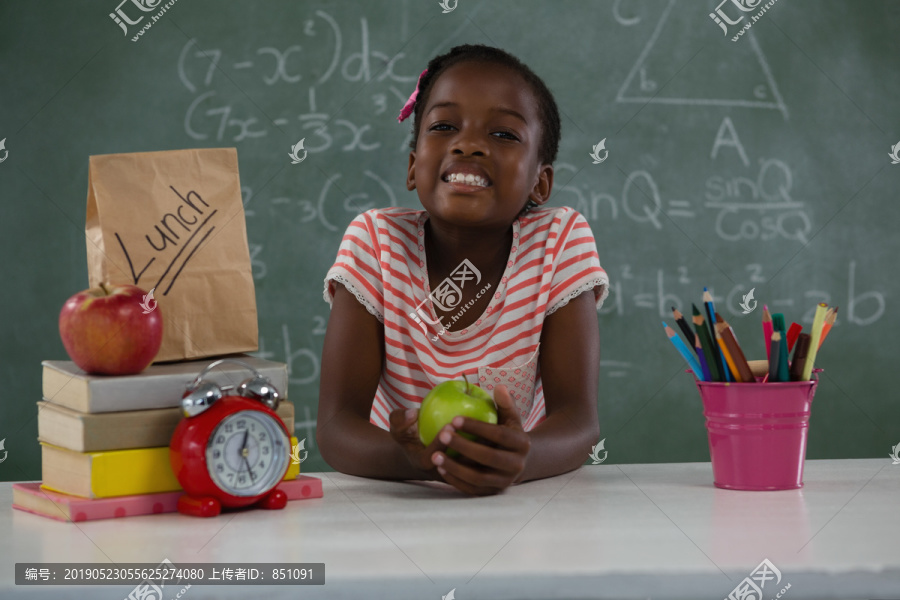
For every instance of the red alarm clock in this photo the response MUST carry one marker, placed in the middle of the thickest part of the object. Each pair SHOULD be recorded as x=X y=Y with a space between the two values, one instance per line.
x=230 y=451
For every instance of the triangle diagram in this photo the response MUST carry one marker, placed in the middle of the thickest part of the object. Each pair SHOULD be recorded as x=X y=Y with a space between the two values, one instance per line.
x=670 y=71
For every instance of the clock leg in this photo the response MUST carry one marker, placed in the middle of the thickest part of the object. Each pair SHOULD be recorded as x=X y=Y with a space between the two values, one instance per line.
x=199 y=506
x=273 y=500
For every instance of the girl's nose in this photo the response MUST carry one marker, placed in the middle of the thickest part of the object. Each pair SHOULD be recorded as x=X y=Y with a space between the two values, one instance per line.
x=469 y=145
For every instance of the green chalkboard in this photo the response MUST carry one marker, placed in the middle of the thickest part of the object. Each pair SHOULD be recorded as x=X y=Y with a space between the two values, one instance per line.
x=738 y=161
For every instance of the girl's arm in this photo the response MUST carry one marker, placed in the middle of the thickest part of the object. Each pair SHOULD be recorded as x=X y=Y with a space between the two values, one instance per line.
x=352 y=359
x=570 y=363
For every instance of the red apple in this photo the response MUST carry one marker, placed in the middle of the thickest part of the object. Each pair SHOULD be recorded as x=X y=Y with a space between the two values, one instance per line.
x=108 y=330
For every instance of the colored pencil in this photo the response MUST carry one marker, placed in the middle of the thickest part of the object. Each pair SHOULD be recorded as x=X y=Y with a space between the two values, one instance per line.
x=707 y=345
x=682 y=324
x=711 y=323
x=783 y=354
x=728 y=360
x=815 y=336
x=734 y=349
x=683 y=350
x=800 y=355
x=792 y=334
x=698 y=348
x=829 y=322
x=774 y=350
x=767 y=330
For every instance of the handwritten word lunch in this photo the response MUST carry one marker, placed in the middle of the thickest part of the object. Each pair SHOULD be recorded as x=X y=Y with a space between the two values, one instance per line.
x=187 y=223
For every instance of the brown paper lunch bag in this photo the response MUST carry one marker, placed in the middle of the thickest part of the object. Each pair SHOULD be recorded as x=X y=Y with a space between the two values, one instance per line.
x=172 y=223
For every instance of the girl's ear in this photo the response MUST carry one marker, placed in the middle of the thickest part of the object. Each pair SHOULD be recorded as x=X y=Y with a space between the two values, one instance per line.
x=540 y=193
x=411 y=172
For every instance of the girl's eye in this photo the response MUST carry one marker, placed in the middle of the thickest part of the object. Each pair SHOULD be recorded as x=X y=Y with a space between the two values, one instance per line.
x=506 y=135
x=440 y=127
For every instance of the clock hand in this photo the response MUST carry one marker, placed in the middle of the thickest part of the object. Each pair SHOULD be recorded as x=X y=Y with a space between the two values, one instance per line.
x=244 y=453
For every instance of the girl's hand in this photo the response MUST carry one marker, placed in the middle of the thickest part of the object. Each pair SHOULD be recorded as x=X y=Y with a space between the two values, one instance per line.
x=494 y=464
x=405 y=431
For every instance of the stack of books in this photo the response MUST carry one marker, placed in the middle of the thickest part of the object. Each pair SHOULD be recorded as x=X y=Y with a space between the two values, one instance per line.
x=105 y=439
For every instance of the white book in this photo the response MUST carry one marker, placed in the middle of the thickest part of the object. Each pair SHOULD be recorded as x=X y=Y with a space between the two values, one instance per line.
x=157 y=386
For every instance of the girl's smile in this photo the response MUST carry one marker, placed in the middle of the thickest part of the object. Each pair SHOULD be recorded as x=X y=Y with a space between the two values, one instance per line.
x=466 y=177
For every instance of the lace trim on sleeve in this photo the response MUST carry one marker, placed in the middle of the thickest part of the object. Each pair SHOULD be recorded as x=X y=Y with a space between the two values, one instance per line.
x=352 y=289
x=584 y=287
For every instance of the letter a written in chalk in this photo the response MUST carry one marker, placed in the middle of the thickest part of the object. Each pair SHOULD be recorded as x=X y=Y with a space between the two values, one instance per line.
x=727 y=136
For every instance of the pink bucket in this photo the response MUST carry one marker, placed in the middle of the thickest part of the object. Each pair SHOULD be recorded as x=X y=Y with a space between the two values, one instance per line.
x=757 y=432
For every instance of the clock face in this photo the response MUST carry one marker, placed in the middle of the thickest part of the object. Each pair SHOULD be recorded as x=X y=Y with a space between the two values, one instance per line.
x=247 y=453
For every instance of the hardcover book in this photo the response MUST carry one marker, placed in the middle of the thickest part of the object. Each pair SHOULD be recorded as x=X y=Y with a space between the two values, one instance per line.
x=115 y=472
x=94 y=432
x=157 y=386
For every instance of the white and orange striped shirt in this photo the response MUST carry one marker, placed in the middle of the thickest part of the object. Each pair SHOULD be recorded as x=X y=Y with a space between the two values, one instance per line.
x=382 y=262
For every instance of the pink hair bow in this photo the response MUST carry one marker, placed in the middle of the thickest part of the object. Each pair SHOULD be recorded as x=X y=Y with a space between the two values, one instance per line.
x=411 y=103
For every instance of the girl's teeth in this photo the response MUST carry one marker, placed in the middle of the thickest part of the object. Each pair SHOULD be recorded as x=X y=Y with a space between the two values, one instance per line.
x=467 y=179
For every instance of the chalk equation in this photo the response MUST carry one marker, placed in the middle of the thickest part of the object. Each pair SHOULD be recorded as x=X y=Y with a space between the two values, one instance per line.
x=654 y=294
x=761 y=206
x=207 y=117
x=313 y=209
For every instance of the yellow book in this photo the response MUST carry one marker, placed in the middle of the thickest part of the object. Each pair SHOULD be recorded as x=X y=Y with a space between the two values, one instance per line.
x=116 y=472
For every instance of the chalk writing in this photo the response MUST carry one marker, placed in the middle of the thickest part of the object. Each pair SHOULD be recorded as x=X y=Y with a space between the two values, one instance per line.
x=208 y=118
x=648 y=85
x=628 y=291
x=770 y=190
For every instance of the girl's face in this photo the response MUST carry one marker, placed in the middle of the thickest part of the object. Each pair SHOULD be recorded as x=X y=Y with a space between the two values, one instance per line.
x=476 y=157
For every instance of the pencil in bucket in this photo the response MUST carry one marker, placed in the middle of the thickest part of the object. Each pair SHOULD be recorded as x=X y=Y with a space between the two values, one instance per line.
x=757 y=412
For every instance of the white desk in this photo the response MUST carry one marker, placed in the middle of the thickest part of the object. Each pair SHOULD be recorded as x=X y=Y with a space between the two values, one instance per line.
x=605 y=531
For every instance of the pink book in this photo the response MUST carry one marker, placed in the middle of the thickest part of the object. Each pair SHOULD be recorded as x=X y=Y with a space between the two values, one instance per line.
x=31 y=497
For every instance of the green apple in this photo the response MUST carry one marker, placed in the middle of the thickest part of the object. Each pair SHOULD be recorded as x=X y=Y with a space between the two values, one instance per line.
x=451 y=399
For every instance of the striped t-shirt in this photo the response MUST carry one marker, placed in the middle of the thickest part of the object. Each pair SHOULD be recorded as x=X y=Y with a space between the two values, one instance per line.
x=382 y=262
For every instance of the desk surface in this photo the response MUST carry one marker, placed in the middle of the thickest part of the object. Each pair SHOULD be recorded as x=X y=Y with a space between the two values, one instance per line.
x=605 y=531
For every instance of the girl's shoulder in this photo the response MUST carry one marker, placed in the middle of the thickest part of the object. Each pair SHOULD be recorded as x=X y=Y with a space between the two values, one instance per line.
x=387 y=221
x=396 y=215
x=544 y=216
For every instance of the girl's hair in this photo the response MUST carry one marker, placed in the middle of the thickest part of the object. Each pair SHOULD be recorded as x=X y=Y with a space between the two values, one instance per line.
x=547 y=109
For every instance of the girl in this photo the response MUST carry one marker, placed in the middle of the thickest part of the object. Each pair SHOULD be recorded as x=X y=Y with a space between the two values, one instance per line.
x=482 y=283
